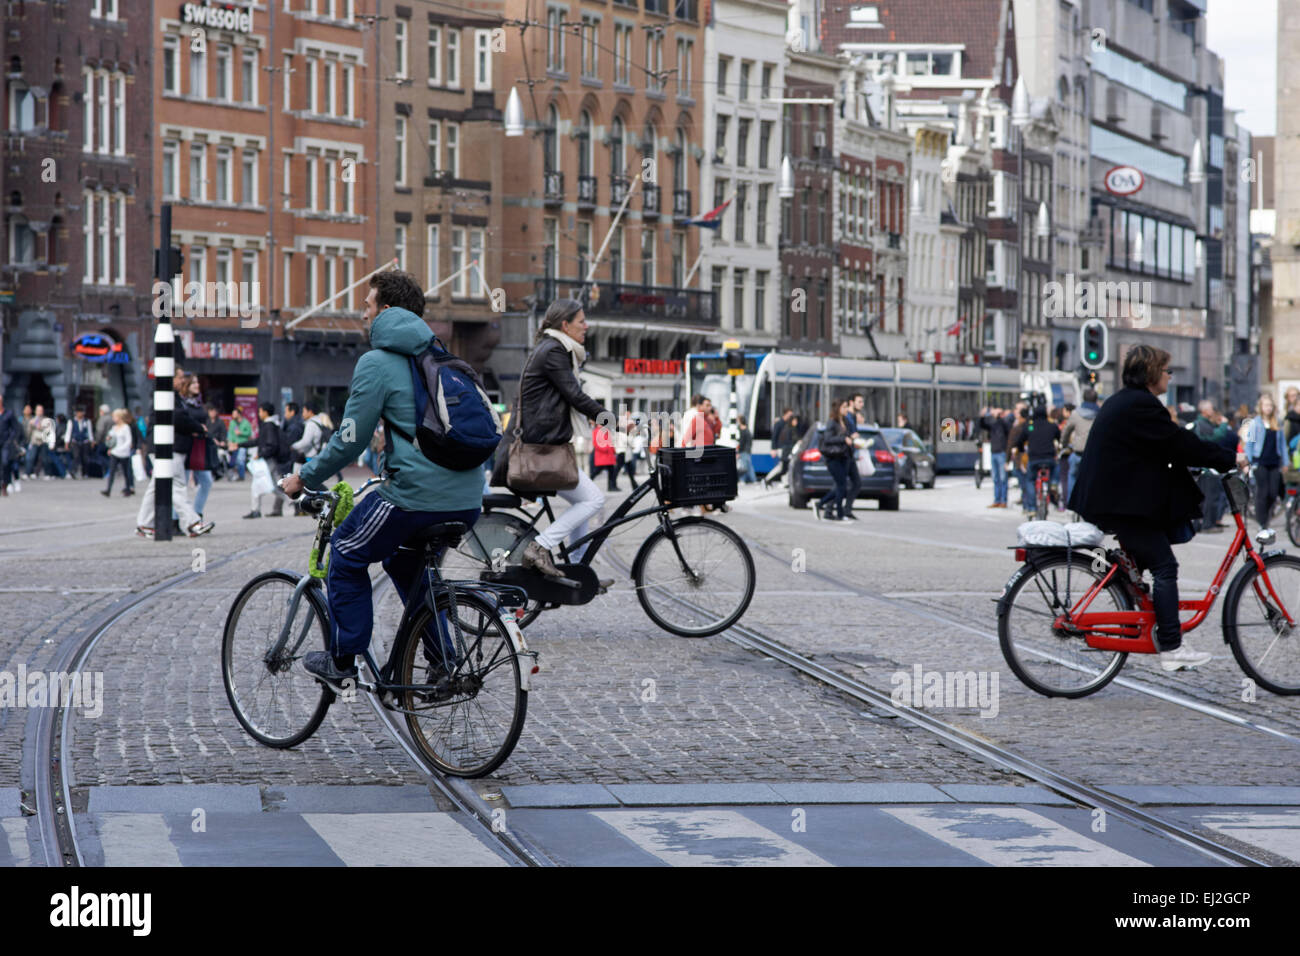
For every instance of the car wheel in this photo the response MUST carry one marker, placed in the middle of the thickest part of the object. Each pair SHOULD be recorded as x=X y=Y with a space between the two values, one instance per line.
x=798 y=501
x=889 y=503
x=928 y=484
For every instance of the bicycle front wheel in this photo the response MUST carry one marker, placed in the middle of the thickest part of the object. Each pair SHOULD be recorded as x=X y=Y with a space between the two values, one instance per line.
x=1057 y=662
x=494 y=537
x=274 y=699
x=697 y=582
x=1293 y=521
x=468 y=720
x=1266 y=647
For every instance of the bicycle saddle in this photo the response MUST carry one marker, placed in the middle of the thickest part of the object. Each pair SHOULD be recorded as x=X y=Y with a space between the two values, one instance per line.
x=444 y=532
x=499 y=500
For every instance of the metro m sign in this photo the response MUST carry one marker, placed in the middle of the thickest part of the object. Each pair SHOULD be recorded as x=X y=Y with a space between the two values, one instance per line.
x=1124 y=180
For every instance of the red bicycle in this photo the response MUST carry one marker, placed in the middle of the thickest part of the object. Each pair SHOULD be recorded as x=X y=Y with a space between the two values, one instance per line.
x=1069 y=617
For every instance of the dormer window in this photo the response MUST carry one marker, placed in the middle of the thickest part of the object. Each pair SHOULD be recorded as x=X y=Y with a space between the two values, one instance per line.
x=867 y=17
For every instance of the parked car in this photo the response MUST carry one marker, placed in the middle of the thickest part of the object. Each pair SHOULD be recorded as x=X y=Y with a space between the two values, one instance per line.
x=810 y=479
x=918 y=464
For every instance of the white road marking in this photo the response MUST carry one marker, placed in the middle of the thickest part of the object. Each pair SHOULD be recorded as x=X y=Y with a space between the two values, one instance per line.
x=401 y=839
x=1277 y=832
x=16 y=834
x=707 y=838
x=1010 y=836
x=136 y=839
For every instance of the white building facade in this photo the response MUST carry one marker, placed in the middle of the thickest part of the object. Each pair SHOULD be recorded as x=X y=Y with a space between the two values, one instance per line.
x=742 y=86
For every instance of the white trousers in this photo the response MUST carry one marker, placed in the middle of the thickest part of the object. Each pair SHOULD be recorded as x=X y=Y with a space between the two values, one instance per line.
x=180 y=497
x=584 y=502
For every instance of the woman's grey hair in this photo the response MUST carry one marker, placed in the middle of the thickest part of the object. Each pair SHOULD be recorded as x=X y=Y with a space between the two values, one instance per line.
x=560 y=311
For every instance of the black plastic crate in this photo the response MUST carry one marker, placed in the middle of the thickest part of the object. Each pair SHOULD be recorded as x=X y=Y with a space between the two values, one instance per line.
x=697 y=476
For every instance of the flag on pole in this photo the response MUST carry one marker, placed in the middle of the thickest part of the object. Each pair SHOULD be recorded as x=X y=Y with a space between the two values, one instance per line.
x=711 y=219
x=955 y=328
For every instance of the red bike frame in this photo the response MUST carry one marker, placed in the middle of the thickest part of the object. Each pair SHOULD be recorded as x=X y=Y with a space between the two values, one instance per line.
x=1131 y=631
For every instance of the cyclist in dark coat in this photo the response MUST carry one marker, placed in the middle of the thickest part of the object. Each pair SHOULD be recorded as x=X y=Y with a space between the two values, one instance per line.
x=1039 y=438
x=1134 y=482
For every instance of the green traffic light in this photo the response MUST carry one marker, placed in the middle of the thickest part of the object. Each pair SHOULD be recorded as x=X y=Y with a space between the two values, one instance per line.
x=1092 y=356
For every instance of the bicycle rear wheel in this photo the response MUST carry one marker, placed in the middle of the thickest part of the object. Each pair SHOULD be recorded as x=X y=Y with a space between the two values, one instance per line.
x=1293 y=521
x=273 y=698
x=704 y=590
x=1266 y=647
x=494 y=536
x=1057 y=662
x=469 y=720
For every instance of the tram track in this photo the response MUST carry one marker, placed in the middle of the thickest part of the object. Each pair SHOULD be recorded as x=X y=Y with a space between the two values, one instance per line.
x=1073 y=789
x=48 y=760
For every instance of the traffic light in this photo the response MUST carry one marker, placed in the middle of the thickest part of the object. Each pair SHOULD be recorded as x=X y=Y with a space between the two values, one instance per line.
x=174 y=266
x=735 y=358
x=1092 y=344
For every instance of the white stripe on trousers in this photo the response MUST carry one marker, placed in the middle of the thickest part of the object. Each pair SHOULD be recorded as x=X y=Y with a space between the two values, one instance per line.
x=369 y=528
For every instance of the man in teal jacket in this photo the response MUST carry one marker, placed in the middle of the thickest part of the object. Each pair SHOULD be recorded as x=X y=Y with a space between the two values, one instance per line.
x=420 y=494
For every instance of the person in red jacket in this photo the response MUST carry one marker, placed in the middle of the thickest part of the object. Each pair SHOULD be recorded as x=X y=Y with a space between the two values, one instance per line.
x=604 y=457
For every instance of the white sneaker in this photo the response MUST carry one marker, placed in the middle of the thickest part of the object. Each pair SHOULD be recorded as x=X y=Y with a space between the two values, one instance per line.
x=17 y=486
x=1181 y=657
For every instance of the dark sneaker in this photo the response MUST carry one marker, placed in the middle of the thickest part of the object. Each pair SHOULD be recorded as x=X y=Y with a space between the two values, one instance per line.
x=321 y=666
x=253 y=514
x=535 y=556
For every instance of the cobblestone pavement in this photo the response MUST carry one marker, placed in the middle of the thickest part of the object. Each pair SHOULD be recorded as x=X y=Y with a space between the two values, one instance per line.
x=618 y=701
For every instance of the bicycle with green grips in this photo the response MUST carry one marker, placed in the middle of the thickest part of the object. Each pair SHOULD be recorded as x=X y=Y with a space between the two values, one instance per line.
x=459 y=670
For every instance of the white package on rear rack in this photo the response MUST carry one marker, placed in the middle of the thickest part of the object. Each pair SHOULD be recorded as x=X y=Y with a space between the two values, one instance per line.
x=1053 y=534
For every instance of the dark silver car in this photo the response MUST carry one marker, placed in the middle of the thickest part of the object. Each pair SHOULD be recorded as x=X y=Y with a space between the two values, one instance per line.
x=918 y=465
x=810 y=479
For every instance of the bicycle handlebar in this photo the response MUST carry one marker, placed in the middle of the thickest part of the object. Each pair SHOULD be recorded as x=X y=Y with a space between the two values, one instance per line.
x=330 y=496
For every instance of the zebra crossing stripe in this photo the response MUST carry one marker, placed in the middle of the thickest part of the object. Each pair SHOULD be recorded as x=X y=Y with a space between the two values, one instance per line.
x=706 y=838
x=136 y=839
x=16 y=837
x=1010 y=836
x=401 y=839
x=1277 y=832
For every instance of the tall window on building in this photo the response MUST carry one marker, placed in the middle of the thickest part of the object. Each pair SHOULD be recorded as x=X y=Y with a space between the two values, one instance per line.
x=351 y=169
x=286 y=78
x=550 y=247
x=765 y=90
x=225 y=73
x=617 y=256
x=399 y=150
x=171 y=170
x=349 y=279
x=198 y=171
x=460 y=284
x=399 y=245
x=742 y=142
x=685 y=54
x=198 y=74
x=331 y=185
x=623 y=53
x=287 y=285
x=760 y=300
x=435 y=56
x=309 y=297
x=435 y=146
x=743 y=92
x=432 y=251
x=286 y=189
x=88 y=236
x=401 y=32
x=476 y=276
x=742 y=197
x=483 y=59
x=738 y=298
x=584 y=248
x=313 y=84
x=724 y=64
x=331 y=84
x=764 y=143
x=589 y=46
x=718 y=279
x=248 y=75
x=453 y=57
x=648 y=244
x=171 y=65
x=88 y=109
x=223 y=173
x=654 y=62
x=453 y=149
x=617 y=163
x=311 y=195
x=679 y=259
x=102 y=84
x=248 y=178
x=760 y=231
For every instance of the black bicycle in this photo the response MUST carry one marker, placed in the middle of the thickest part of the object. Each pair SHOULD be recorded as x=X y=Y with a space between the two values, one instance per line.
x=693 y=576
x=459 y=670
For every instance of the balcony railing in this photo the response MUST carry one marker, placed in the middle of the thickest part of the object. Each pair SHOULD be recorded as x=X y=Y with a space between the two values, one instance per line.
x=626 y=301
x=587 y=190
x=650 y=201
x=553 y=186
x=618 y=186
x=682 y=203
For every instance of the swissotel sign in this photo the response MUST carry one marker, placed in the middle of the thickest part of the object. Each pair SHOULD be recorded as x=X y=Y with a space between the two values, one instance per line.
x=218 y=18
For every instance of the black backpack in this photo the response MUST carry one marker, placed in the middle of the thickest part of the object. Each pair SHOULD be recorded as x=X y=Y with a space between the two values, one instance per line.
x=283 y=447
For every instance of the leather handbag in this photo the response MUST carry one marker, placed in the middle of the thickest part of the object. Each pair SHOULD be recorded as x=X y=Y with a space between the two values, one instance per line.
x=532 y=468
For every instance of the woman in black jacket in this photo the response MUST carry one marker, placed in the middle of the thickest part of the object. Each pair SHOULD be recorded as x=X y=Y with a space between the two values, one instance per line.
x=1133 y=481
x=836 y=446
x=554 y=410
